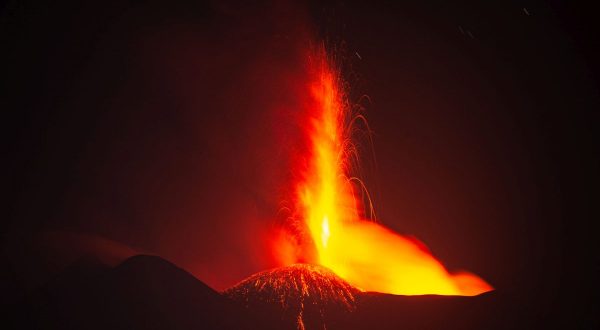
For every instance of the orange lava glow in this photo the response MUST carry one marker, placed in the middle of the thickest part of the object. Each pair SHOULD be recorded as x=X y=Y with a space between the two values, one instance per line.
x=359 y=250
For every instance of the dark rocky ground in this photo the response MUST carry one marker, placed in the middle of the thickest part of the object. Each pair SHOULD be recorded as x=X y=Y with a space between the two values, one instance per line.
x=147 y=292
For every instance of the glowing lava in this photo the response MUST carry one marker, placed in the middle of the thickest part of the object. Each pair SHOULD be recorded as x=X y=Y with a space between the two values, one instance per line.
x=364 y=253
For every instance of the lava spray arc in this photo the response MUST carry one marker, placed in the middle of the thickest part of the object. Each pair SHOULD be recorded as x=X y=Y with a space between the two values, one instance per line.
x=359 y=250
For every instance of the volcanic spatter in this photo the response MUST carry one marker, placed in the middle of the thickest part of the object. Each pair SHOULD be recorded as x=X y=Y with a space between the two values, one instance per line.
x=305 y=294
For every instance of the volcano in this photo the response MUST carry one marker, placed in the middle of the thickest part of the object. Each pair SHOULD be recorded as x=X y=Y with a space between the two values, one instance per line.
x=302 y=293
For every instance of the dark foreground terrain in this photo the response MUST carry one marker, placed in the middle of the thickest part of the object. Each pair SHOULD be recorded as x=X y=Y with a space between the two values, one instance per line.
x=147 y=292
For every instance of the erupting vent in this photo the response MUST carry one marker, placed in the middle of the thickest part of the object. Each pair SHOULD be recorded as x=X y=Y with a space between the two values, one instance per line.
x=307 y=294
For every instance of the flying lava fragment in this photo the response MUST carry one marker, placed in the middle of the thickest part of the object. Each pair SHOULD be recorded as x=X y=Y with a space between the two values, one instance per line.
x=328 y=206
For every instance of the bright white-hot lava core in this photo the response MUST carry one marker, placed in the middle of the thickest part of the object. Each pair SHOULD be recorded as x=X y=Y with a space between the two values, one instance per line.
x=359 y=250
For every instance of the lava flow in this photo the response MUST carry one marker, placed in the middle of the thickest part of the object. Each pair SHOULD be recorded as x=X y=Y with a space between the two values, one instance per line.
x=359 y=250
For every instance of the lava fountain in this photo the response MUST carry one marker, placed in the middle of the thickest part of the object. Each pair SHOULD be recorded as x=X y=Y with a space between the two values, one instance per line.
x=342 y=238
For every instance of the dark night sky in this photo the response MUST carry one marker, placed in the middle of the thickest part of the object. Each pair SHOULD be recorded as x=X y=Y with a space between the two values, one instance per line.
x=158 y=126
